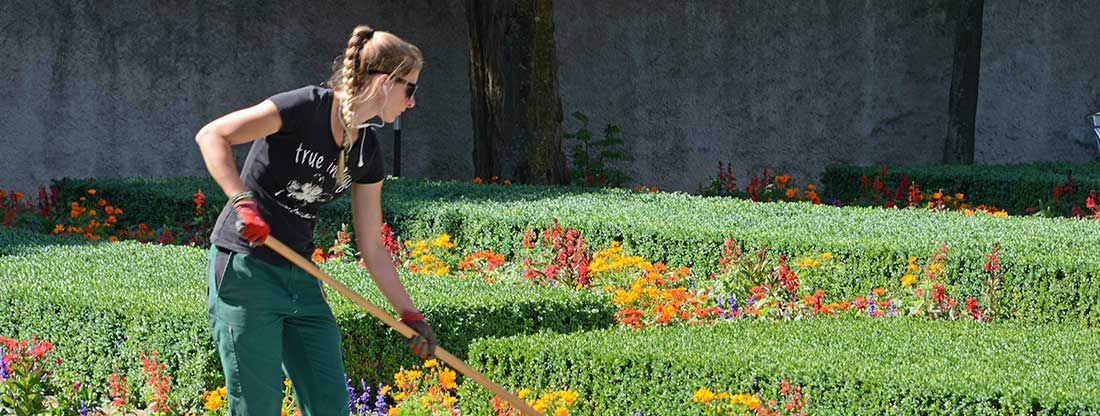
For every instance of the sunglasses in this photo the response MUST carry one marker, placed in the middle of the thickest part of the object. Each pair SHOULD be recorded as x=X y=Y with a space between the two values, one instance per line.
x=411 y=86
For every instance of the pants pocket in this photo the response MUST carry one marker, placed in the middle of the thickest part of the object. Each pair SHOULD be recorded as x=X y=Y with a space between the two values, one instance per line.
x=221 y=262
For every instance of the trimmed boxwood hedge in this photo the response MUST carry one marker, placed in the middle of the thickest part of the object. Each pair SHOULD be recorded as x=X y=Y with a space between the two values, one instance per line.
x=158 y=201
x=1051 y=270
x=1013 y=188
x=846 y=366
x=102 y=303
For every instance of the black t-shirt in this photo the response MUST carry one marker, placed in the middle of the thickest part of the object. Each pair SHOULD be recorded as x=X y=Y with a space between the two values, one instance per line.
x=293 y=172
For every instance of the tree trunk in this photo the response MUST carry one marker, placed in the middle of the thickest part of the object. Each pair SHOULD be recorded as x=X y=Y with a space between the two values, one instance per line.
x=963 y=106
x=514 y=91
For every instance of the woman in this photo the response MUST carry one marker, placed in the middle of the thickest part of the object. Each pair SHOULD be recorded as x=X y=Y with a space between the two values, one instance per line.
x=268 y=317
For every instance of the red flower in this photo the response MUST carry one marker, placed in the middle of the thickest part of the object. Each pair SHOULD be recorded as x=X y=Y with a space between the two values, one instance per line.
x=42 y=348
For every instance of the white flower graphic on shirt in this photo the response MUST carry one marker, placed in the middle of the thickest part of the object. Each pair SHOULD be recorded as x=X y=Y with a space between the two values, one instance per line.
x=307 y=193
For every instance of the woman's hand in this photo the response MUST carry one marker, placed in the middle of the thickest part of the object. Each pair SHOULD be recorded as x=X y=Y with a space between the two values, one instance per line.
x=424 y=342
x=251 y=225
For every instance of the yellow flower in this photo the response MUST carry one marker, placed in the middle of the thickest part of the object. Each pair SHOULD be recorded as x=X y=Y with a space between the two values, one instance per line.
x=385 y=390
x=569 y=396
x=561 y=411
x=444 y=240
x=746 y=399
x=214 y=401
x=827 y=255
x=431 y=363
x=413 y=375
x=809 y=263
x=399 y=396
x=908 y=280
x=702 y=395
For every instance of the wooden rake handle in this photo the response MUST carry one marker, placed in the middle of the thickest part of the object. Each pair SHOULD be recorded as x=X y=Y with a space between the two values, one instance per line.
x=392 y=322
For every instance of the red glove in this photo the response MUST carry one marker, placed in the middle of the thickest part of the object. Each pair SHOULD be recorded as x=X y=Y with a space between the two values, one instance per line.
x=424 y=342
x=250 y=224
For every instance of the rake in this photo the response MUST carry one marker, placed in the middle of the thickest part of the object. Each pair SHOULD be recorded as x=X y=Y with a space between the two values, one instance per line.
x=397 y=325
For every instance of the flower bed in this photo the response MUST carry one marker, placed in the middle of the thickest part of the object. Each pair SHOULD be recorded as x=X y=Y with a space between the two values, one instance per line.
x=101 y=304
x=1053 y=188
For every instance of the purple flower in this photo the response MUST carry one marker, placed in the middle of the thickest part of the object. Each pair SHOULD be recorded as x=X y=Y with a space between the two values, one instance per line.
x=380 y=404
x=351 y=394
x=83 y=409
x=4 y=371
x=363 y=400
x=870 y=303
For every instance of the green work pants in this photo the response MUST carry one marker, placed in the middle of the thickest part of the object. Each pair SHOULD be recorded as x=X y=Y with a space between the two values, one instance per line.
x=269 y=321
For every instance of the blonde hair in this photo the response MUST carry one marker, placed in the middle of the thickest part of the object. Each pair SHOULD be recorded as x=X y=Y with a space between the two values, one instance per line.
x=370 y=51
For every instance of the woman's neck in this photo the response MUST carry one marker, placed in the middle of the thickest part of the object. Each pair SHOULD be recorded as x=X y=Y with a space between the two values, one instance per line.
x=337 y=121
x=361 y=112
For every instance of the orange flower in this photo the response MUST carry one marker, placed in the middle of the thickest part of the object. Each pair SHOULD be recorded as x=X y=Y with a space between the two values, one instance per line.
x=447 y=379
x=792 y=192
x=653 y=189
x=477 y=179
x=318 y=255
x=113 y=238
x=660 y=267
x=91 y=192
x=782 y=180
x=507 y=182
x=878 y=291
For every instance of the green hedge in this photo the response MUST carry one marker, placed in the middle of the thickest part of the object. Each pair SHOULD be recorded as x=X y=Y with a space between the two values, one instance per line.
x=154 y=201
x=1013 y=188
x=857 y=366
x=158 y=201
x=102 y=303
x=1050 y=267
